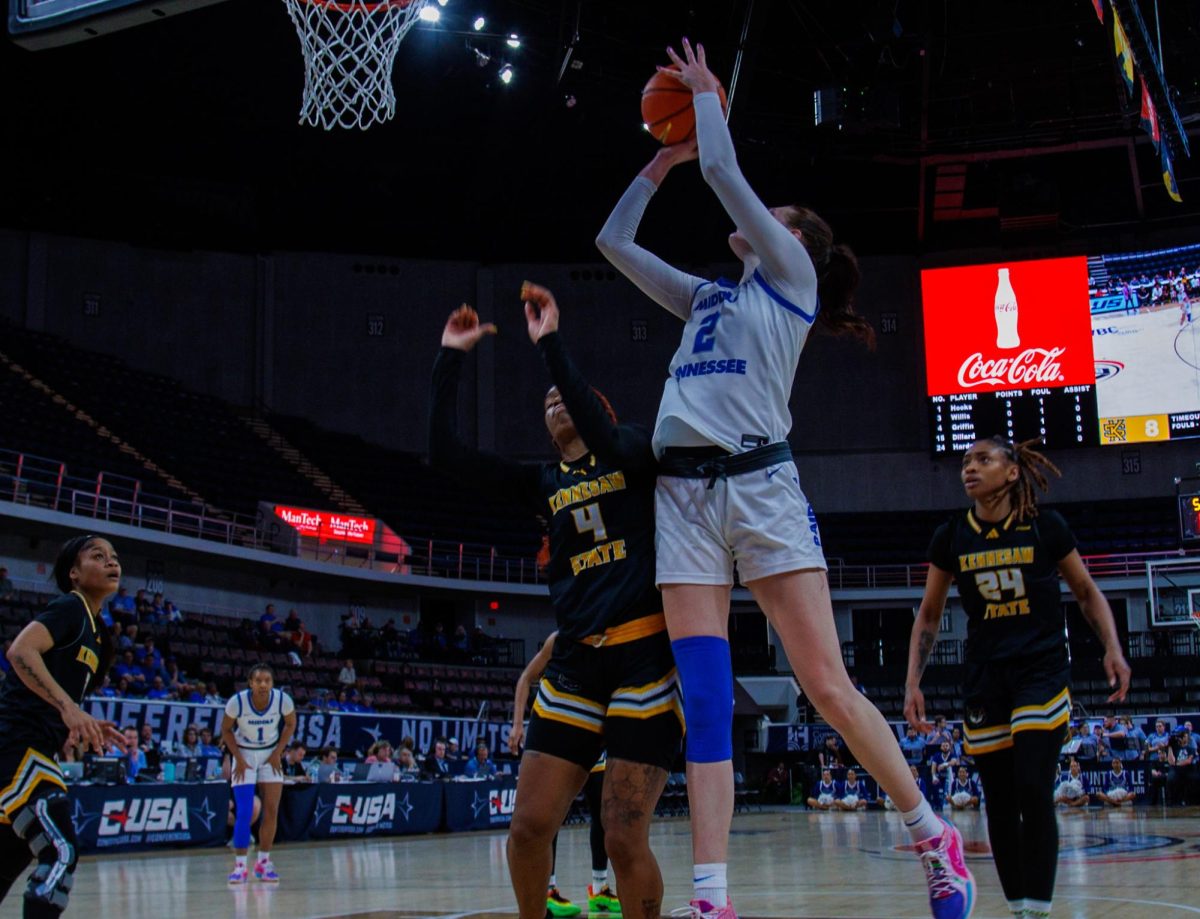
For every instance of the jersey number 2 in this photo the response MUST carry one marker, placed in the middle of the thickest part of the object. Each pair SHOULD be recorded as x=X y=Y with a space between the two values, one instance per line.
x=706 y=335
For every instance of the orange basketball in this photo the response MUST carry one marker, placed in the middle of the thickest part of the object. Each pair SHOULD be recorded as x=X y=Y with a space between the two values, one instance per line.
x=667 y=109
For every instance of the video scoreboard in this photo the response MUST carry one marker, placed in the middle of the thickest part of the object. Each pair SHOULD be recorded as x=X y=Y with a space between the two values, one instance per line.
x=1077 y=351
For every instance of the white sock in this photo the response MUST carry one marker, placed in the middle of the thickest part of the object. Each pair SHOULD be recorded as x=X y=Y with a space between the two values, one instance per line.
x=553 y=881
x=599 y=880
x=263 y=856
x=239 y=861
x=1017 y=908
x=921 y=822
x=709 y=883
x=1037 y=909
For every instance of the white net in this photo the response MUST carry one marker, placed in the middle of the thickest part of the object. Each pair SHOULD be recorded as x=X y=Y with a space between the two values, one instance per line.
x=348 y=51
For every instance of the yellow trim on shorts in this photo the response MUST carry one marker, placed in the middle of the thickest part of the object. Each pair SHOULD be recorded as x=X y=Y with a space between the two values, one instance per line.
x=581 y=701
x=1043 y=725
x=1045 y=709
x=642 y=627
x=33 y=769
x=566 y=719
x=992 y=746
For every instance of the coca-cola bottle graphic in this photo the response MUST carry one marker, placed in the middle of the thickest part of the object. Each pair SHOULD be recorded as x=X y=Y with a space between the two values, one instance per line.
x=1006 y=313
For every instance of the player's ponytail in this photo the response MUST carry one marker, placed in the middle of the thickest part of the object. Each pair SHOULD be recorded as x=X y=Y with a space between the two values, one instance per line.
x=837 y=277
x=1033 y=466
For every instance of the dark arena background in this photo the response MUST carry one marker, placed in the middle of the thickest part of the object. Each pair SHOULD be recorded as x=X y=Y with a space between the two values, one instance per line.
x=217 y=330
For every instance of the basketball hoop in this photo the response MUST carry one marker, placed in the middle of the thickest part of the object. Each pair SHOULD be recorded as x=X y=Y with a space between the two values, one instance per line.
x=348 y=53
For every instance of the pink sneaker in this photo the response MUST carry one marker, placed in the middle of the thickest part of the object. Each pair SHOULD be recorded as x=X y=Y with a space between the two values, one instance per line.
x=265 y=872
x=951 y=884
x=702 y=909
x=239 y=876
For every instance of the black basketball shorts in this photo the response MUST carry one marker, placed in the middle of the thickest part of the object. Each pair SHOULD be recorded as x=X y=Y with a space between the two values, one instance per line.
x=1006 y=697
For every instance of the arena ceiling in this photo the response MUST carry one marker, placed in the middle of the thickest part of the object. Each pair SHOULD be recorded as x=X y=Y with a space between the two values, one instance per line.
x=184 y=132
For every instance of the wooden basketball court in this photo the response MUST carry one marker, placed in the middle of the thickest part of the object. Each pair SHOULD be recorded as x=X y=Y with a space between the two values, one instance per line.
x=784 y=863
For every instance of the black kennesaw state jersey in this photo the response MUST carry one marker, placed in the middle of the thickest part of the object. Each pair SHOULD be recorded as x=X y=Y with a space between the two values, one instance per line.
x=1007 y=578
x=601 y=514
x=27 y=720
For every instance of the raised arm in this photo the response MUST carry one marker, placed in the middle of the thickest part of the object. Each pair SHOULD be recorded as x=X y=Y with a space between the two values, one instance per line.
x=446 y=449
x=618 y=444
x=784 y=260
x=666 y=285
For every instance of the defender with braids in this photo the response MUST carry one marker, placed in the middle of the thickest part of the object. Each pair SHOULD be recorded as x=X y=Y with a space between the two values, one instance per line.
x=1005 y=558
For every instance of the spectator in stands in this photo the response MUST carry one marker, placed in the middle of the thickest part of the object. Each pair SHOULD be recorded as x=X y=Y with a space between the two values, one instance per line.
x=453 y=752
x=347 y=678
x=149 y=656
x=830 y=755
x=854 y=793
x=461 y=644
x=941 y=770
x=172 y=675
x=123 y=689
x=940 y=734
x=1073 y=789
x=1103 y=751
x=963 y=793
x=956 y=742
x=294 y=769
x=480 y=766
x=1117 y=791
x=171 y=613
x=106 y=690
x=121 y=641
x=406 y=763
x=206 y=743
x=438 y=642
x=8 y=589
x=132 y=754
x=1135 y=740
x=211 y=696
x=1088 y=748
x=159 y=689
x=1181 y=773
x=407 y=743
x=913 y=746
x=129 y=670
x=777 y=785
x=268 y=639
x=157 y=610
x=1158 y=742
x=141 y=604
x=191 y=692
x=436 y=764
x=147 y=741
x=121 y=607
x=292 y=622
x=302 y=639
x=190 y=745
x=269 y=619
x=825 y=793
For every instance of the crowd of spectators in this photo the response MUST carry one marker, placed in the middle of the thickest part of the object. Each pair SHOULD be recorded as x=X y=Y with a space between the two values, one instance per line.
x=362 y=638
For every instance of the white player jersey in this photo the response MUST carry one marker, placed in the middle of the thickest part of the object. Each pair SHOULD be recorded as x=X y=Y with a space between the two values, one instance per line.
x=255 y=729
x=732 y=375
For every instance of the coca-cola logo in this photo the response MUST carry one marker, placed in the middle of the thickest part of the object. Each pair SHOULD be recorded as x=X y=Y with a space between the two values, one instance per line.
x=1031 y=367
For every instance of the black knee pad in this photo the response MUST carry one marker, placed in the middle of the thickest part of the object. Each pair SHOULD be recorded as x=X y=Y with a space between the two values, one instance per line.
x=45 y=825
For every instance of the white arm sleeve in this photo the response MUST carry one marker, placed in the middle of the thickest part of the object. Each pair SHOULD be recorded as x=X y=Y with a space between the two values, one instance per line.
x=667 y=286
x=784 y=258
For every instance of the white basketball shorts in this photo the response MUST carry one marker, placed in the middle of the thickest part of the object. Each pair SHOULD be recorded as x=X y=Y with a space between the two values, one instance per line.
x=758 y=520
x=259 y=773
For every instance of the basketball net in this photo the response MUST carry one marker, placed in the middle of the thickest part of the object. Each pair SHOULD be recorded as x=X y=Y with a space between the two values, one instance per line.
x=348 y=52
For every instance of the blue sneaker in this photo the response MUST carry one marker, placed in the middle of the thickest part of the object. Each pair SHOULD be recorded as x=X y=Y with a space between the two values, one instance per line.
x=238 y=876
x=951 y=885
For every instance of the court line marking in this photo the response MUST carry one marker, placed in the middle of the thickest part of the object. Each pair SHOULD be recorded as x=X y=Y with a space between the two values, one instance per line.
x=507 y=909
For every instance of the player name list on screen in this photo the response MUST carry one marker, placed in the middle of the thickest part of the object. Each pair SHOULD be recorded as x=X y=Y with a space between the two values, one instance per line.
x=1061 y=417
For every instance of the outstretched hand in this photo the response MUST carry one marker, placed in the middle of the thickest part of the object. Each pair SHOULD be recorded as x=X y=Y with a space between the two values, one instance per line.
x=914 y=709
x=463 y=329
x=692 y=69
x=541 y=311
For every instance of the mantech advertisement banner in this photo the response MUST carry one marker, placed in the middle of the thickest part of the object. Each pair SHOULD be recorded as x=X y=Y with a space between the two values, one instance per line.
x=1007 y=326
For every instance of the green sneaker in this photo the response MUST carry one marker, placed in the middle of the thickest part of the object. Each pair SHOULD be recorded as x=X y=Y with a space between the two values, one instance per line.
x=559 y=906
x=603 y=902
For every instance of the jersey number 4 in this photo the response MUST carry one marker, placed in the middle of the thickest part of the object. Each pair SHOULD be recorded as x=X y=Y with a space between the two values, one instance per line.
x=588 y=518
x=706 y=334
x=992 y=584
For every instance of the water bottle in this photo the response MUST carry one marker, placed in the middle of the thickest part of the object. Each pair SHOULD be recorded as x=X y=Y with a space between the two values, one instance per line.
x=168 y=772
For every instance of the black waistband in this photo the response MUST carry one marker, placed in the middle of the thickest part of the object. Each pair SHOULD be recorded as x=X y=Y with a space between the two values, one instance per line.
x=703 y=463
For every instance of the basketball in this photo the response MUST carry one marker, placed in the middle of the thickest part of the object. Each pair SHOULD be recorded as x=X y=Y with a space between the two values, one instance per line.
x=667 y=109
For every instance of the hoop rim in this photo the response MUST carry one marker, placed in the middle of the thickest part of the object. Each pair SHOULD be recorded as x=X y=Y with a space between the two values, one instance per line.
x=355 y=6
